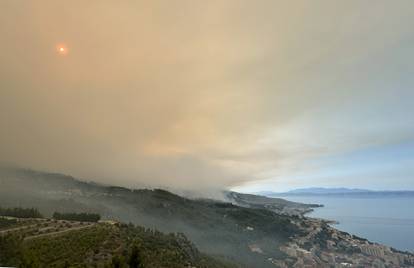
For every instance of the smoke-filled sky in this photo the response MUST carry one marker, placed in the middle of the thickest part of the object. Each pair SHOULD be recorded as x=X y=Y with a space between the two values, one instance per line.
x=248 y=95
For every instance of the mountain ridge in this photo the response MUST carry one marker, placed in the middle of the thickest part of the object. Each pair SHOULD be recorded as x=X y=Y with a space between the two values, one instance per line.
x=335 y=191
x=253 y=231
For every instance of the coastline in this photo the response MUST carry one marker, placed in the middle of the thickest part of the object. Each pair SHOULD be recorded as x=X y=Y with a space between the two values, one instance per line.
x=316 y=206
x=385 y=221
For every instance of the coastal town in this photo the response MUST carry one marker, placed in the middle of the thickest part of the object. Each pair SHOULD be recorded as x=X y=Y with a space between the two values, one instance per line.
x=324 y=246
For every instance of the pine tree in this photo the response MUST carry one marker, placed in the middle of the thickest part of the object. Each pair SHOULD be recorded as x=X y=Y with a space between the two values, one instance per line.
x=134 y=258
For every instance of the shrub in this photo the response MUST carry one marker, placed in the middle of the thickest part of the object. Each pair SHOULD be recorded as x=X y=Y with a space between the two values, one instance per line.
x=84 y=217
x=20 y=212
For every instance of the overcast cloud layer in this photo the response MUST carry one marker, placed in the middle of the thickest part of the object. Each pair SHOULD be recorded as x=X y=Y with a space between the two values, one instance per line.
x=210 y=94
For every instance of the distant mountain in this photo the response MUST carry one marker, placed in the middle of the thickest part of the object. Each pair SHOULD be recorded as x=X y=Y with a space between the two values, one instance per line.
x=341 y=191
x=322 y=190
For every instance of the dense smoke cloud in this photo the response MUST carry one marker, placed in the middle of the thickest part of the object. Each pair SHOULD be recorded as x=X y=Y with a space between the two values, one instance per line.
x=200 y=95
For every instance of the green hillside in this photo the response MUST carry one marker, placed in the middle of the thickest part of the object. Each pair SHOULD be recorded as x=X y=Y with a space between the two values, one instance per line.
x=215 y=227
x=40 y=243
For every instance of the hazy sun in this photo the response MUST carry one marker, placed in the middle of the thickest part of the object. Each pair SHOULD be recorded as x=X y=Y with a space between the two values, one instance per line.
x=62 y=49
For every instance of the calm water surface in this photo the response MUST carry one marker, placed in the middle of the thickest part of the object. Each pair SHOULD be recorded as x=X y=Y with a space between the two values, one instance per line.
x=386 y=220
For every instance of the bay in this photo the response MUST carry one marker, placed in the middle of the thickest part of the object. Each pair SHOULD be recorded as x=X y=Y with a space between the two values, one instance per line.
x=386 y=220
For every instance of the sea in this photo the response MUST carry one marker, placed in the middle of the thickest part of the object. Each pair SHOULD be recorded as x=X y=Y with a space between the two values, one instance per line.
x=388 y=220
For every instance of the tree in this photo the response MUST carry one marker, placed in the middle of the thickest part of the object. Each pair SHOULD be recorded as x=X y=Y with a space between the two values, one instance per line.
x=134 y=258
x=29 y=261
x=89 y=217
x=20 y=212
x=66 y=264
x=118 y=262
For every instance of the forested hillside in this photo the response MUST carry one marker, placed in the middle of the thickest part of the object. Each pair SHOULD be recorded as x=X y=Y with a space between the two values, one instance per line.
x=217 y=228
x=52 y=243
x=251 y=232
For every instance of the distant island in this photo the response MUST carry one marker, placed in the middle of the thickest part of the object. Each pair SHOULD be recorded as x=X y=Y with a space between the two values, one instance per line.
x=340 y=191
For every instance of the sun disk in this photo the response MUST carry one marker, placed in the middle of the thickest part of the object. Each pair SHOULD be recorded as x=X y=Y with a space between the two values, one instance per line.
x=62 y=49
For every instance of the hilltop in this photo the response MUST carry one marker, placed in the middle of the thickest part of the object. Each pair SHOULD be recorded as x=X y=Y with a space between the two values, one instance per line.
x=278 y=205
